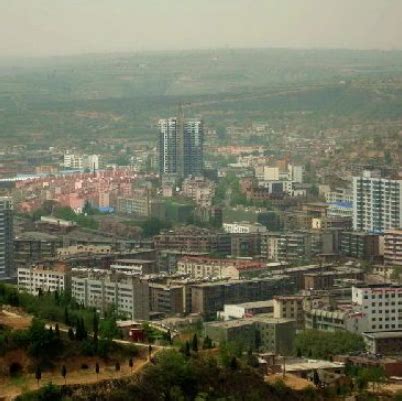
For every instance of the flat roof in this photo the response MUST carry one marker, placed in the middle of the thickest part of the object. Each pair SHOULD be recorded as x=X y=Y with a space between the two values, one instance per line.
x=310 y=364
x=384 y=335
x=256 y=304
x=142 y=261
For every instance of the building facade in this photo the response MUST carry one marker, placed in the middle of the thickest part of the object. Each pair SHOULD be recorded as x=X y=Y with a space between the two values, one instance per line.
x=377 y=203
x=393 y=247
x=181 y=144
x=38 y=279
x=129 y=295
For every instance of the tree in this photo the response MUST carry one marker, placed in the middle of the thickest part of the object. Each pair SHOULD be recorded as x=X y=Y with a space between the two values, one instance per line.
x=80 y=331
x=71 y=334
x=234 y=364
x=207 y=344
x=187 y=349
x=66 y=316
x=131 y=364
x=317 y=344
x=57 y=330
x=64 y=372
x=117 y=366
x=38 y=374
x=194 y=344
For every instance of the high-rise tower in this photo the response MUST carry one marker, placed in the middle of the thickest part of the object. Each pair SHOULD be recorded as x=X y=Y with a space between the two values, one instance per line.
x=181 y=144
x=6 y=238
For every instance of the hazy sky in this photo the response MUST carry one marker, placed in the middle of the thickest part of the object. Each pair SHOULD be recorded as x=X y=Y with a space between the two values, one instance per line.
x=47 y=27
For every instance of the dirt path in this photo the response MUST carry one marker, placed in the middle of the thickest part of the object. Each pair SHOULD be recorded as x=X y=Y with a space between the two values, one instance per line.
x=11 y=388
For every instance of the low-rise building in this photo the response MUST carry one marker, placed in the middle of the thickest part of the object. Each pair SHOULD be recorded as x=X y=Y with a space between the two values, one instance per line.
x=244 y=228
x=209 y=298
x=194 y=239
x=384 y=343
x=40 y=279
x=129 y=295
x=246 y=310
x=259 y=333
x=168 y=299
x=203 y=267
x=289 y=307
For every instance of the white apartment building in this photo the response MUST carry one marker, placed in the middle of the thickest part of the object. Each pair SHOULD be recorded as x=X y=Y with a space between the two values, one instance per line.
x=377 y=203
x=129 y=295
x=77 y=161
x=296 y=173
x=381 y=305
x=244 y=228
x=339 y=195
x=37 y=279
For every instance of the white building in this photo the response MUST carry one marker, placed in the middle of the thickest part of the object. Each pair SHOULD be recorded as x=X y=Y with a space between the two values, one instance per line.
x=129 y=295
x=37 y=279
x=339 y=195
x=381 y=304
x=377 y=203
x=244 y=228
x=77 y=161
x=295 y=173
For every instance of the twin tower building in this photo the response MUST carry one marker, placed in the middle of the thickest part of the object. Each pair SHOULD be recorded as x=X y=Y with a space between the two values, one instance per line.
x=181 y=144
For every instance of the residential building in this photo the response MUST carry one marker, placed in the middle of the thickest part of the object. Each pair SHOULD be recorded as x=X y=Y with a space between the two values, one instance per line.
x=377 y=203
x=245 y=245
x=168 y=299
x=7 y=267
x=382 y=304
x=128 y=295
x=360 y=245
x=209 y=298
x=339 y=195
x=244 y=228
x=393 y=247
x=40 y=279
x=181 y=146
x=289 y=307
x=207 y=267
x=285 y=246
x=31 y=247
x=246 y=310
x=194 y=239
x=259 y=333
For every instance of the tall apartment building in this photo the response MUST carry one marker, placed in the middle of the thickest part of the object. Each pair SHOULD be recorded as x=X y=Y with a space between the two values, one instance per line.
x=181 y=146
x=393 y=247
x=6 y=238
x=377 y=203
x=129 y=295
x=36 y=279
